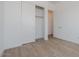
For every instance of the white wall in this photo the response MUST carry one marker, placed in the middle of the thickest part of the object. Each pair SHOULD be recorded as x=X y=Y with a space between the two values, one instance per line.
x=1 y=27
x=12 y=11
x=28 y=22
x=18 y=23
x=66 y=22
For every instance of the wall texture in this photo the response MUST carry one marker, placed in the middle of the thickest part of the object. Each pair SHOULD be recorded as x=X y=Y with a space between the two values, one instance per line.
x=18 y=23
x=12 y=18
x=66 y=22
x=28 y=22
x=1 y=27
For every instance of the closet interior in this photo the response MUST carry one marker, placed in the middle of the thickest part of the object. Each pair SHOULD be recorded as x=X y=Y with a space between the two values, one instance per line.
x=39 y=22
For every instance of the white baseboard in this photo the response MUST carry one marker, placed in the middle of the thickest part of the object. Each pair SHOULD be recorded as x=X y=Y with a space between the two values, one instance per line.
x=67 y=40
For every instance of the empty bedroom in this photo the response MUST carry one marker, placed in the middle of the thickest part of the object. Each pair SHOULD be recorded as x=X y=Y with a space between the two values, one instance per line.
x=39 y=28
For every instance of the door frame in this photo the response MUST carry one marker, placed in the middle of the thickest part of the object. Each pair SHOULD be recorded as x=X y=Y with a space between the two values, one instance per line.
x=45 y=19
x=52 y=22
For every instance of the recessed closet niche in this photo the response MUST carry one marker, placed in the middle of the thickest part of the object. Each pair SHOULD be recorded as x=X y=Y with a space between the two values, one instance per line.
x=39 y=22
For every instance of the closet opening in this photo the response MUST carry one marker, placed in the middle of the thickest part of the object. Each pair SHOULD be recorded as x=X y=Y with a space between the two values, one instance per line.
x=39 y=23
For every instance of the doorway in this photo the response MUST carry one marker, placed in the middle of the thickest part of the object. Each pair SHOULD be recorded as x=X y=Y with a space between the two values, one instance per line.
x=50 y=24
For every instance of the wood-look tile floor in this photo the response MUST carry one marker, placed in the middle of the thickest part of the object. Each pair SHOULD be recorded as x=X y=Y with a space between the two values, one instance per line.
x=48 y=48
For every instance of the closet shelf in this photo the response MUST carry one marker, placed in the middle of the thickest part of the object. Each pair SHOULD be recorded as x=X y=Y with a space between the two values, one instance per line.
x=39 y=16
